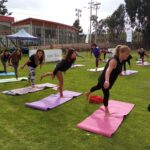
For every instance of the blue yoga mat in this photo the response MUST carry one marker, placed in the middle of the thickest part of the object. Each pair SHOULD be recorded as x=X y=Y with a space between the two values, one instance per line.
x=7 y=74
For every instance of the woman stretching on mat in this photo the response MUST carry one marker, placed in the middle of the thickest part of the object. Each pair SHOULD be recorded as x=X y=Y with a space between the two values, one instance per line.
x=32 y=63
x=96 y=51
x=142 y=53
x=110 y=73
x=62 y=66
x=4 y=58
x=14 y=59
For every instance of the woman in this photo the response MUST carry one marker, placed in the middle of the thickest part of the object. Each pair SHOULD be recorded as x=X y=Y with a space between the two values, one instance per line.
x=34 y=61
x=110 y=73
x=62 y=66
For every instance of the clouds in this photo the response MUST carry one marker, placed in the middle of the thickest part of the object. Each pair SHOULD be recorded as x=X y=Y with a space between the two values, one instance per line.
x=62 y=11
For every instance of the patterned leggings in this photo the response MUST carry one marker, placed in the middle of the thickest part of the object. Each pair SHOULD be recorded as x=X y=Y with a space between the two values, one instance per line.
x=31 y=76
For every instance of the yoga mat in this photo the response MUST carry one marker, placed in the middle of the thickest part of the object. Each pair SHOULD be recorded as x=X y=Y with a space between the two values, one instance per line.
x=53 y=100
x=7 y=74
x=128 y=72
x=13 y=79
x=103 y=124
x=145 y=64
x=94 y=70
x=29 y=89
x=77 y=65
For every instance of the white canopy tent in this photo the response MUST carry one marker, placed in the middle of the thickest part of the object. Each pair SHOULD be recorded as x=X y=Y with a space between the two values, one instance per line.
x=22 y=35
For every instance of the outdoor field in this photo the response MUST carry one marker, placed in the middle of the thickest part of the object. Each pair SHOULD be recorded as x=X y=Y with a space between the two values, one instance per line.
x=23 y=128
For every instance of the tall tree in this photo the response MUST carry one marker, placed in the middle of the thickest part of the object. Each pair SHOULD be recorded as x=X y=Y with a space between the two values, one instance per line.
x=3 y=9
x=80 y=34
x=139 y=13
x=114 y=23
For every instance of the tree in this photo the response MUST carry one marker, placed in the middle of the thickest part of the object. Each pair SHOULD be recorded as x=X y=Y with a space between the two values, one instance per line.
x=3 y=9
x=115 y=24
x=139 y=13
x=80 y=34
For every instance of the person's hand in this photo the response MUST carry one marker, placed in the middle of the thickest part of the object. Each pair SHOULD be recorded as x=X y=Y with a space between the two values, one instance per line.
x=106 y=84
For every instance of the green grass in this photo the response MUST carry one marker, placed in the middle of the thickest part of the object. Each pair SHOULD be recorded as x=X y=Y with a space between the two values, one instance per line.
x=23 y=128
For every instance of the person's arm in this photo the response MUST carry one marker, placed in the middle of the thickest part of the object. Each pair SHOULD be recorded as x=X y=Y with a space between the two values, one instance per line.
x=112 y=65
x=22 y=67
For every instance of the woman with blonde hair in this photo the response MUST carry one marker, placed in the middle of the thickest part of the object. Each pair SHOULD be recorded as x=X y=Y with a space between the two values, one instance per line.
x=110 y=73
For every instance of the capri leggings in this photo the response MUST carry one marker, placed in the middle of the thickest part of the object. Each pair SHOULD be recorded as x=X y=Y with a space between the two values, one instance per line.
x=105 y=92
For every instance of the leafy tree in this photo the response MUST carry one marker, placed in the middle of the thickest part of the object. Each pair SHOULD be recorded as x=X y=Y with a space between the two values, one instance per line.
x=3 y=9
x=80 y=34
x=115 y=24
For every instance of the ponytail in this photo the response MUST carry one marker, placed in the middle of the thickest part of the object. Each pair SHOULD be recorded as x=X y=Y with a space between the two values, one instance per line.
x=121 y=49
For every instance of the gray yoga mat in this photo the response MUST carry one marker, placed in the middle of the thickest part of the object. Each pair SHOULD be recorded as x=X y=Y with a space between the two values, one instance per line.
x=29 y=89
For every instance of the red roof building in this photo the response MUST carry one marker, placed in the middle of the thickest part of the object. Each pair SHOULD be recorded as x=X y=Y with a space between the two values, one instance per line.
x=49 y=32
x=5 y=25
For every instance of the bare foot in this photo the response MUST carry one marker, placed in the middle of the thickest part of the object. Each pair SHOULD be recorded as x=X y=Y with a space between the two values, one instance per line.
x=61 y=95
x=87 y=94
x=41 y=77
x=107 y=111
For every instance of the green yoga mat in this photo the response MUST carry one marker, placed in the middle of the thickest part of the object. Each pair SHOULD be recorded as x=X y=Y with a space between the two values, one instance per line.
x=13 y=79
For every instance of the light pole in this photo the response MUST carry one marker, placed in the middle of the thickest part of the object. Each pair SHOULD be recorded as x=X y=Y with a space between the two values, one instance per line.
x=91 y=7
x=78 y=12
x=96 y=7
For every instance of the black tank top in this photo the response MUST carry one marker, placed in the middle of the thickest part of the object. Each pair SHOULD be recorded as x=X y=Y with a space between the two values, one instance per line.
x=114 y=74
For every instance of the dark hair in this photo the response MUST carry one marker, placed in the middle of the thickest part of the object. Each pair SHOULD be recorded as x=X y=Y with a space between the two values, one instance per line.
x=69 y=53
x=42 y=59
x=94 y=44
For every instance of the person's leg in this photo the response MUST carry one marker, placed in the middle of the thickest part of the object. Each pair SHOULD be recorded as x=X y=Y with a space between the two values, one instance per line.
x=124 y=66
x=104 y=55
x=105 y=99
x=94 y=88
x=16 y=70
x=5 y=68
x=32 y=76
x=142 y=60
x=60 y=80
x=97 y=62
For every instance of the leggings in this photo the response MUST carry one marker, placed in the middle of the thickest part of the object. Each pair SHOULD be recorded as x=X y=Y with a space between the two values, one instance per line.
x=105 y=92
x=15 y=65
x=31 y=76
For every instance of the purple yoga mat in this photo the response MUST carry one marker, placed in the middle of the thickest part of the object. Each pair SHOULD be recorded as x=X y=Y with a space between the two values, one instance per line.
x=103 y=124
x=53 y=101
x=29 y=89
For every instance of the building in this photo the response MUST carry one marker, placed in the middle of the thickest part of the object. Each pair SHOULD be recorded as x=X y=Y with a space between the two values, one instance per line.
x=49 y=32
x=5 y=28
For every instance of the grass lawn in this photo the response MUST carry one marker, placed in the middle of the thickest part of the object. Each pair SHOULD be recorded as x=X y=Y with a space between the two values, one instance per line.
x=23 y=128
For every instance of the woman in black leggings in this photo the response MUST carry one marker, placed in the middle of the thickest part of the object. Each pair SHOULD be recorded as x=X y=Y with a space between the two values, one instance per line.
x=110 y=73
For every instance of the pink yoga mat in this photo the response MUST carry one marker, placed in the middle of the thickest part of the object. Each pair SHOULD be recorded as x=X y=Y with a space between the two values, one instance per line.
x=103 y=124
x=53 y=100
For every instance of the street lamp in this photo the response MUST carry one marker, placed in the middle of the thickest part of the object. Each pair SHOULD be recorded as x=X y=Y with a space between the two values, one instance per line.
x=78 y=12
